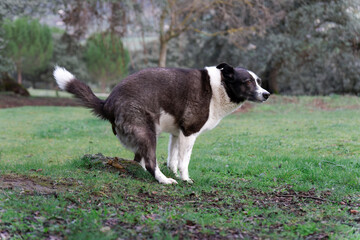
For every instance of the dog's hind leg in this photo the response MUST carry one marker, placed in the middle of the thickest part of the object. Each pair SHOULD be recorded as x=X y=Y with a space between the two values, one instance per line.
x=173 y=154
x=186 y=144
x=146 y=149
x=140 y=160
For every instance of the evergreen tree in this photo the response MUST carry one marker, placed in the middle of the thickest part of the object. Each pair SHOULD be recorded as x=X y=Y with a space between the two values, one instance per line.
x=28 y=44
x=106 y=58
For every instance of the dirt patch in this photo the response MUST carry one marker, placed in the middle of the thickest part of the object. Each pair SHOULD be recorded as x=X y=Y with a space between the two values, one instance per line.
x=33 y=184
x=12 y=100
x=186 y=229
x=320 y=104
x=111 y=163
x=276 y=99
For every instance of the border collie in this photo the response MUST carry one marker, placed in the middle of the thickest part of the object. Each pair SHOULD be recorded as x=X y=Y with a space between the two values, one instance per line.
x=182 y=102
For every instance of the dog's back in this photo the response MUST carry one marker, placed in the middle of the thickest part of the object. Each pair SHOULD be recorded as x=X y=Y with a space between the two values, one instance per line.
x=183 y=93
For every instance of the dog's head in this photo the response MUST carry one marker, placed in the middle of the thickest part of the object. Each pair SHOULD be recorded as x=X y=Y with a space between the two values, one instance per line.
x=242 y=84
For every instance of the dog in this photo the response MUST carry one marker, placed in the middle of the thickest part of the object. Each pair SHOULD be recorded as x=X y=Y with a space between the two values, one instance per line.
x=182 y=102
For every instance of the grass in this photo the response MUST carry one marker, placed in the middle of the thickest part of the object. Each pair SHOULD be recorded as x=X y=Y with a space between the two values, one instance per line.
x=286 y=169
x=35 y=92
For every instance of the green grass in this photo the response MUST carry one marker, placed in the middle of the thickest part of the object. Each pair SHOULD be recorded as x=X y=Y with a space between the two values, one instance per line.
x=35 y=92
x=286 y=169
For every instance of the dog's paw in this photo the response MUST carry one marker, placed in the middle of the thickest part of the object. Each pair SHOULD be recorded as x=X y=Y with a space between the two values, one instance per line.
x=167 y=181
x=189 y=180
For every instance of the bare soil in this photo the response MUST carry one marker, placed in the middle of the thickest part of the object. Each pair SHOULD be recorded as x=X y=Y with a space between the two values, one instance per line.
x=320 y=104
x=33 y=184
x=12 y=100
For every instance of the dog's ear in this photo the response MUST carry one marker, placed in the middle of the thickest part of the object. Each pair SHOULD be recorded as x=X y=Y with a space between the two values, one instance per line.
x=226 y=70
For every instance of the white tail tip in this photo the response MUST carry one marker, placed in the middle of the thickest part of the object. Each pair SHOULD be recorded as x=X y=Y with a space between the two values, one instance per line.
x=62 y=77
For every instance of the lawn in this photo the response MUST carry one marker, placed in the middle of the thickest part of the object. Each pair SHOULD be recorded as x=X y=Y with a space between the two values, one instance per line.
x=285 y=169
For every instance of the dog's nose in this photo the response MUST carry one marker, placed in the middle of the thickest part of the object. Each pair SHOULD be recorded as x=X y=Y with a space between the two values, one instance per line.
x=266 y=95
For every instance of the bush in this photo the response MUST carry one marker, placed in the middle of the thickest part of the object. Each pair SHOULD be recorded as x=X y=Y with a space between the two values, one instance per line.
x=106 y=58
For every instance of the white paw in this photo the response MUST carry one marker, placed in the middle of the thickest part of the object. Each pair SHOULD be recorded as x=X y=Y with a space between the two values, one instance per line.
x=162 y=178
x=167 y=181
x=188 y=180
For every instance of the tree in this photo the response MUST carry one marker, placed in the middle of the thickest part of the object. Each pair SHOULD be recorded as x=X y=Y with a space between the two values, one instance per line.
x=170 y=19
x=106 y=58
x=314 y=51
x=237 y=19
x=28 y=44
x=9 y=9
x=81 y=17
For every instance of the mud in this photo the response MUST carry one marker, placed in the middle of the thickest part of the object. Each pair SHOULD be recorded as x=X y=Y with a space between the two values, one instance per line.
x=33 y=184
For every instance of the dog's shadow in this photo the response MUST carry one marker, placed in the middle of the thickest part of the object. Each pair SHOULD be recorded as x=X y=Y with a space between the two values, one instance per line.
x=120 y=166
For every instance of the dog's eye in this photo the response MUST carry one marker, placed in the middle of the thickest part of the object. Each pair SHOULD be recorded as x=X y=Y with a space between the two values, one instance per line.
x=248 y=80
x=258 y=81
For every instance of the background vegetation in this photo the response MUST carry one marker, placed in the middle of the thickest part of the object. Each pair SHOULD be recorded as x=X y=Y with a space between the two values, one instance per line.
x=297 y=47
x=106 y=58
x=29 y=45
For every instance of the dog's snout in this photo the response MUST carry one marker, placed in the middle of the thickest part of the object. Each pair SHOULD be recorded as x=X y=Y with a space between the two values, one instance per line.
x=266 y=95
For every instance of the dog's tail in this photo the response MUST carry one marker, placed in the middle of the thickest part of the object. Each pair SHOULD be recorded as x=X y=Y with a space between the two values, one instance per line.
x=66 y=81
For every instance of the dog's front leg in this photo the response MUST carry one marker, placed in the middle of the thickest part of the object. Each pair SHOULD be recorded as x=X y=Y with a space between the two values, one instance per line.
x=173 y=154
x=186 y=144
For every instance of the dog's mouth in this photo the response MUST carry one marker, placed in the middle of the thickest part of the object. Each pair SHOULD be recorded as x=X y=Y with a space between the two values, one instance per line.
x=259 y=98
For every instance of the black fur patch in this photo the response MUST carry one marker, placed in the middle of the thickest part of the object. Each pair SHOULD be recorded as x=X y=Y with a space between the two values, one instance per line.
x=238 y=82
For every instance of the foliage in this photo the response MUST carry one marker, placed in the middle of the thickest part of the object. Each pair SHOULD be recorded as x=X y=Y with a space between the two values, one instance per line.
x=29 y=45
x=316 y=47
x=313 y=49
x=5 y=63
x=69 y=53
x=11 y=8
x=241 y=169
x=106 y=58
x=80 y=16
x=297 y=47
x=235 y=19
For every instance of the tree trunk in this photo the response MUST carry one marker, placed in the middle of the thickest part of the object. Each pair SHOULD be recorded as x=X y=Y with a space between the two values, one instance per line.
x=144 y=46
x=103 y=85
x=19 y=76
x=270 y=76
x=162 y=56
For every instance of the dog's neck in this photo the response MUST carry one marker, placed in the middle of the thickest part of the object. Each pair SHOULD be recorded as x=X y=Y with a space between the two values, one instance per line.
x=220 y=99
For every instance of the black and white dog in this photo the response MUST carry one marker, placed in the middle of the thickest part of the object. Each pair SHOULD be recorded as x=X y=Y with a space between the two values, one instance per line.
x=182 y=102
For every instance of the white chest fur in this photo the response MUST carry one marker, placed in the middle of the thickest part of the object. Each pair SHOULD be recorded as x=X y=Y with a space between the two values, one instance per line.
x=220 y=104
